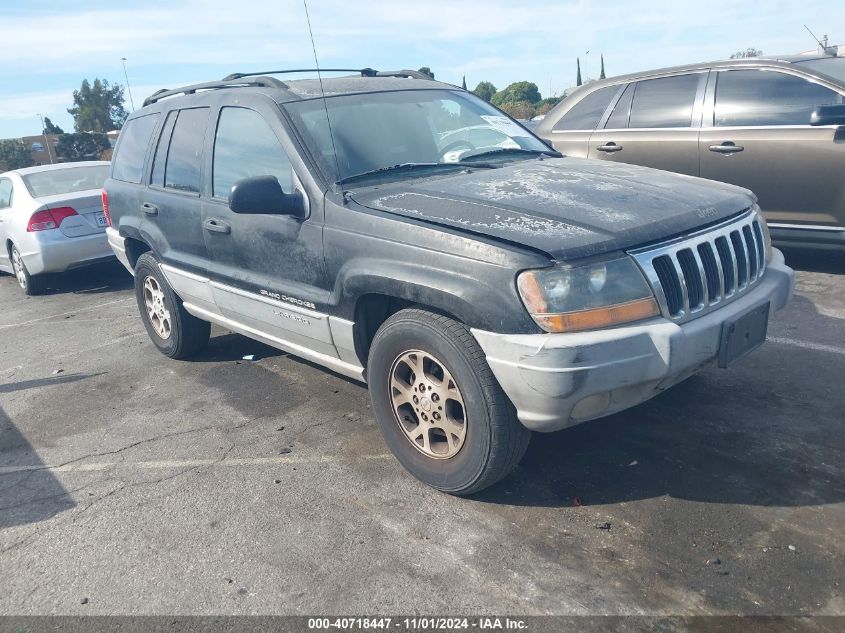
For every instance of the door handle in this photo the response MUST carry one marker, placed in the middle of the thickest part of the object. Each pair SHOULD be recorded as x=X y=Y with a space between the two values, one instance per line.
x=149 y=209
x=609 y=147
x=728 y=147
x=216 y=226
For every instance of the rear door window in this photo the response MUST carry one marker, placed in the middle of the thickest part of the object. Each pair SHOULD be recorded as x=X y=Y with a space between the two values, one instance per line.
x=184 y=157
x=748 y=98
x=128 y=162
x=160 y=159
x=5 y=193
x=246 y=146
x=586 y=114
x=666 y=102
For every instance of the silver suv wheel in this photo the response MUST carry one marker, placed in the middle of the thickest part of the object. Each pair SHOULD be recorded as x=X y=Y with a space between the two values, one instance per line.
x=428 y=404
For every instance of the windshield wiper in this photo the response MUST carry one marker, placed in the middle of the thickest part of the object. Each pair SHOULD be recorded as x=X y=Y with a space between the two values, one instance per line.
x=410 y=167
x=514 y=150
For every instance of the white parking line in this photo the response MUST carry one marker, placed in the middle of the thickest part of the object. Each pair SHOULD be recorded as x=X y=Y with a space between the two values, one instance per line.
x=818 y=347
x=193 y=463
x=69 y=313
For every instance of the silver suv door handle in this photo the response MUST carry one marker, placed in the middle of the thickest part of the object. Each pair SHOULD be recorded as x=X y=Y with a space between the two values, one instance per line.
x=728 y=147
x=609 y=147
x=216 y=226
x=149 y=209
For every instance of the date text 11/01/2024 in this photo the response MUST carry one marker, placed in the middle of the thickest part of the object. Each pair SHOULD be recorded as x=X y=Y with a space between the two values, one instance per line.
x=417 y=623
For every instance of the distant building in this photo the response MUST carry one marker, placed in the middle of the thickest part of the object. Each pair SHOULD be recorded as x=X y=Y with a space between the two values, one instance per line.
x=43 y=148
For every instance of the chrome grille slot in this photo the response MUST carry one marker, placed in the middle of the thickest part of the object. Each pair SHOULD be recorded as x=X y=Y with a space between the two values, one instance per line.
x=693 y=275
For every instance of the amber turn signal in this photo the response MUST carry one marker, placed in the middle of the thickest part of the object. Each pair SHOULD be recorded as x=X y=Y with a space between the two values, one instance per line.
x=599 y=317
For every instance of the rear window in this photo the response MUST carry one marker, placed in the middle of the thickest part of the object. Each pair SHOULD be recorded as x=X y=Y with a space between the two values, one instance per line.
x=128 y=162
x=587 y=113
x=70 y=180
x=664 y=102
x=182 y=171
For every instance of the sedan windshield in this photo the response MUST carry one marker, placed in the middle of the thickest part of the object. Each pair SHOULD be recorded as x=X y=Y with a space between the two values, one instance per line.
x=69 y=180
x=375 y=132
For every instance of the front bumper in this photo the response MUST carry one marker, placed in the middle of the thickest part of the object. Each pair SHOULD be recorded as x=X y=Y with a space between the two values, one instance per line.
x=53 y=252
x=558 y=380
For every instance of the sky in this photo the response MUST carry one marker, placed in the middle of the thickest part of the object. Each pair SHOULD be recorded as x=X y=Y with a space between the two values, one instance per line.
x=49 y=46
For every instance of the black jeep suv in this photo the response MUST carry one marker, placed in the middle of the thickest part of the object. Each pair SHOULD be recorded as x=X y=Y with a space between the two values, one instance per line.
x=405 y=233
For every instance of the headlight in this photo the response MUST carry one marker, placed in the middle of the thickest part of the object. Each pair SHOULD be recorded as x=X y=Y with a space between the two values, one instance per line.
x=767 y=238
x=567 y=298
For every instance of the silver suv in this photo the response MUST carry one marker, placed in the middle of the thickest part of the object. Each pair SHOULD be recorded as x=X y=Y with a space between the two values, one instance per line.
x=774 y=126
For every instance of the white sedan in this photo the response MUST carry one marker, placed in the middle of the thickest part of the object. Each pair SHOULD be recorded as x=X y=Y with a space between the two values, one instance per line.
x=51 y=220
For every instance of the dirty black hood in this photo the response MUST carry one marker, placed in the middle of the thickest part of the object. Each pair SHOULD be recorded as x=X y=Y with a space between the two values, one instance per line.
x=566 y=207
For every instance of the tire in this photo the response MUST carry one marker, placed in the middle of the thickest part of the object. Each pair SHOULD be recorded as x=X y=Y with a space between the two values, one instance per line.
x=488 y=443
x=176 y=333
x=30 y=284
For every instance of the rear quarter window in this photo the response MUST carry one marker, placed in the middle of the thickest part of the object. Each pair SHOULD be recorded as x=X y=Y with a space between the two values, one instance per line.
x=128 y=162
x=587 y=113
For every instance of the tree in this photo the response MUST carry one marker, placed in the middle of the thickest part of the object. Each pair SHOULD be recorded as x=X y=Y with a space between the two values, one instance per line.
x=519 y=109
x=485 y=90
x=98 y=107
x=425 y=70
x=51 y=128
x=464 y=83
x=82 y=146
x=516 y=92
x=578 y=81
x=601 y=74
x=14 y=154
x=747 y=53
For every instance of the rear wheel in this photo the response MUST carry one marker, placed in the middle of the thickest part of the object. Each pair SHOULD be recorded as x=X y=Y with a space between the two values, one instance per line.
x=176 y=333
x=30 y=284
x=439 y=407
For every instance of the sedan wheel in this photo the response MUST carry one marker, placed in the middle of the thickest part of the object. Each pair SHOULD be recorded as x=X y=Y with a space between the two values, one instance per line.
x=20 y=271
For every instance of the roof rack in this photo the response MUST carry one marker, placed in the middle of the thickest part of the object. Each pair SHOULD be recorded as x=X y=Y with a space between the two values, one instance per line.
x=364 y=72
x=261 y=82
x=260 y=79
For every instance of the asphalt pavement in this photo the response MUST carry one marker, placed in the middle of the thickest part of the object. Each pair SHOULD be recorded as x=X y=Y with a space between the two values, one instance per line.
x=134 y=484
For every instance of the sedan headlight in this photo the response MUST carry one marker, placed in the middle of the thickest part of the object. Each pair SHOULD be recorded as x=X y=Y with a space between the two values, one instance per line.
x=567 y=298
x=767 y=238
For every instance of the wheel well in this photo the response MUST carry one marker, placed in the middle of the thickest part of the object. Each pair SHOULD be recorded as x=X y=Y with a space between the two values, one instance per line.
x=134 y=249
x=9 y=246
x=372 y=310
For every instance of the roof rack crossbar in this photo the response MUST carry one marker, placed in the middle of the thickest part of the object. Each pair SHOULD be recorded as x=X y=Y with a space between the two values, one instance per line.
x=364 y=72
x=261 y=82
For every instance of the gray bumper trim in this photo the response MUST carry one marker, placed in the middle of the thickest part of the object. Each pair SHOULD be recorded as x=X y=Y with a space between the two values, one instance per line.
x=558 y=380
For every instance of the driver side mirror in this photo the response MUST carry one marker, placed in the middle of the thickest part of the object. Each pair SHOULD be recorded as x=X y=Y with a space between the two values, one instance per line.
x=264 y=195
x=828 y=115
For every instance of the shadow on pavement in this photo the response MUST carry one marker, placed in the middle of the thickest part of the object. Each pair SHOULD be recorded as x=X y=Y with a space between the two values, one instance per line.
x=102 y=278
x=26 y=496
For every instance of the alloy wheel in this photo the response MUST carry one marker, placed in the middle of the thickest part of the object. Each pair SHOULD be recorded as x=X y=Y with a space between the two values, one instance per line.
x=20 y=271
x=157 y=310
x=428 y=404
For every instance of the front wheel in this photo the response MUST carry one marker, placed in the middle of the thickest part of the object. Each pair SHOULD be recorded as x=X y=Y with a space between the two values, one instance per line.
x=440 y=409
x=175 y=332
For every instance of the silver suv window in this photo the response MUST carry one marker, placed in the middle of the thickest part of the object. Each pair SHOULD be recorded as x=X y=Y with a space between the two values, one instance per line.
x=766 y=97
x=664 y=102
x=586 y=114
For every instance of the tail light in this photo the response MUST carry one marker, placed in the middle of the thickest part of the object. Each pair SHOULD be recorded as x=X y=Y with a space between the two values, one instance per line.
x=106 y=207
x=49 y=219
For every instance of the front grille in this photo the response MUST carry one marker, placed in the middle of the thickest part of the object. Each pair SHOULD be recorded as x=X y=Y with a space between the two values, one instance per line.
x=694 y=275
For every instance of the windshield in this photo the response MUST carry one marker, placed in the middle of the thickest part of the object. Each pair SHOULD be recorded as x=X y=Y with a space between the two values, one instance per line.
x=70 y=180
x=833 y=67
x=375 y=131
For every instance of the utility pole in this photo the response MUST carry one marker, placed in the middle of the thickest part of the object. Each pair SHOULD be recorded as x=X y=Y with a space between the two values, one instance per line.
x=128 y=87
x=46 y=142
